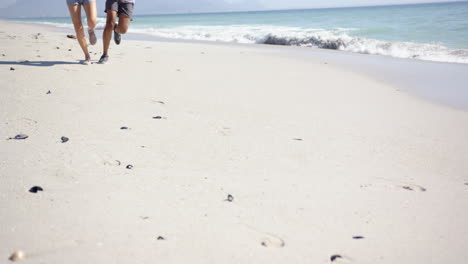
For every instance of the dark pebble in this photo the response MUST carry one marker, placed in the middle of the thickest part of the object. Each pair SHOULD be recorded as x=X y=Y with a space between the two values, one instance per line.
x=64 y=139
x=298 y=139
x=230 y=198
x=49 y=92
x=161 y=238
x=57 y=47
x=36 y=189
x=12 y=69
x=358 y=237
x=124 y=128
x=69 y=49
x=71 y=36
x=157 y=117
x=334 y=257
x=129 y=167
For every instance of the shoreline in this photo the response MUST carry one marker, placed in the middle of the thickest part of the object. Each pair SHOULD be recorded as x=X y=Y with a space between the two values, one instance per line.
x=194 y=153
x=445 y=82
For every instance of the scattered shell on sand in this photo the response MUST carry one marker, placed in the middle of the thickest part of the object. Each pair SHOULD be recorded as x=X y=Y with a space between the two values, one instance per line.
x=161 y=238
x=230 y=198
x=129 y=167
x=49 y=92
x=17 y=255
x=334 y=257
x=36 y=189
x=157 y=117
x=12 y=69
x=20 y=137
x=414 y=188
x=358 y=237
x=71 y=36
x=64 y=139
x=124 y=128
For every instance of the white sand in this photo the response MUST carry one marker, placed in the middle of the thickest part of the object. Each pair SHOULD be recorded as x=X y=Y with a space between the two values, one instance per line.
x=231 y=115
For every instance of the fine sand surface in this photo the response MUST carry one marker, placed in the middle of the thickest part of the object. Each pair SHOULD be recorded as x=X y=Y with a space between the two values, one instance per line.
x=257 y=157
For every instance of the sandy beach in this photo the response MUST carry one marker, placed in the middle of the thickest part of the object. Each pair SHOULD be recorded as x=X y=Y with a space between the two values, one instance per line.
x=197 y=153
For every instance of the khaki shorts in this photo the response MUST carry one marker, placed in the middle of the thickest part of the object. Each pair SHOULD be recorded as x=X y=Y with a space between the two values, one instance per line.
x=120 y=7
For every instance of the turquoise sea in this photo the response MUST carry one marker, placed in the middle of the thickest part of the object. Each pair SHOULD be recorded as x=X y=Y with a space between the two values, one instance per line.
x=435 y=32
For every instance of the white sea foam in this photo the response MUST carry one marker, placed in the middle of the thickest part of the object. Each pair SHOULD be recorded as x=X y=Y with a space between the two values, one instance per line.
x=337 y=38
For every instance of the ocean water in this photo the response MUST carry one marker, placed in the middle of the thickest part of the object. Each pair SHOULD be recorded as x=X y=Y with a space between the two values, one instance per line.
x=434 y=32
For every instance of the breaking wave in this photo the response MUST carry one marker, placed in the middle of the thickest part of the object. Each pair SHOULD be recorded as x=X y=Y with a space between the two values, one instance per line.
x=335 y=39
x=344 y=39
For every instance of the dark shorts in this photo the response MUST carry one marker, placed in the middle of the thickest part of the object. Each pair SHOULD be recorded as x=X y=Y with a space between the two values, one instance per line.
x=120 y=7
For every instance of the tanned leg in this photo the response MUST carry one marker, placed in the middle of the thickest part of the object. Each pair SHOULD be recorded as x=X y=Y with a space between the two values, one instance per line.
x=75 y=14
x=124 y=22
x=107 y=35
x=91 y=14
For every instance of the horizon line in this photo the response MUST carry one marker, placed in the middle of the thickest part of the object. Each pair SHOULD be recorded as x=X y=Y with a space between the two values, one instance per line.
x=264 y=10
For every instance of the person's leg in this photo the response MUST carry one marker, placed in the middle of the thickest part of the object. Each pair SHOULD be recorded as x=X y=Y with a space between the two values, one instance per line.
x=124 y=22
x=125 y=16
x=107 y=35
x=91 y=16
x=75 y=14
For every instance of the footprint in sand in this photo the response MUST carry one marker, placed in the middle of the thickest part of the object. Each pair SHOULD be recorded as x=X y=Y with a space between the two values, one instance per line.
x=266 y=239
x=413 y=187
x=396 y=184
x=271 y=241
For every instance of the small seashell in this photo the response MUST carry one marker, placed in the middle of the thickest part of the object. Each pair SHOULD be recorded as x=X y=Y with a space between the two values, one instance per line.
x=17 y=255
x=124 y=128
x=129 y=167
x=64 y=139
x=20 y=137
x=36 y=189
x=334 y=257
x=358 y=237
x=230 y=198
x=157 y=117
x=12 y=69
x=71 y=36
x=49 y=92
x=161 y=238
